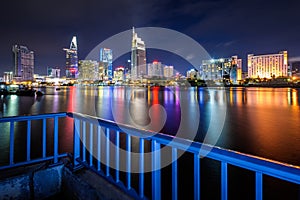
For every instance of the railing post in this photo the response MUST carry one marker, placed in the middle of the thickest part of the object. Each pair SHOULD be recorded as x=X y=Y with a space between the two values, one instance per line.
x=28 y=139
x=141 y=177
x=55 y=139
x=156 y=178
x=107 y=151
x=11 y=143
x=224 y=180
x=99 y=148
x=196 y=177
x=76 y=144
x=91 y=144
x=44 y=137
x=128 y=164
x=83 y=141
x=174 y=174
x=117 y=160
x=258 y=186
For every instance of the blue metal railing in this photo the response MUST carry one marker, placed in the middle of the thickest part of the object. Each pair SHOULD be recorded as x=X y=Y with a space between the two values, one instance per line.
x=13 y=120
x=89 y=147
x=258 y=165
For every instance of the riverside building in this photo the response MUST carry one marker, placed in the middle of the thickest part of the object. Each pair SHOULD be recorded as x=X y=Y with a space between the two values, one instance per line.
x=268 y=66
x=23 y=63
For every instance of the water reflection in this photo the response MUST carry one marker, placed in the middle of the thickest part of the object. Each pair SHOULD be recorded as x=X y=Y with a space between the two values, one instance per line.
x=260 y=121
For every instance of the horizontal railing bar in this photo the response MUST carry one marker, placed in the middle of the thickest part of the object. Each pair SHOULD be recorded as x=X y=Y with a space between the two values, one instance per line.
x=31 y=117
x=266 y=166
x=33 y=161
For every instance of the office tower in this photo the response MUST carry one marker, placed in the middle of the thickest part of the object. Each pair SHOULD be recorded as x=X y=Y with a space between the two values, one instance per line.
x=23 y=63
x=268 y=66
x=138 y=57
x=192 y=74
x=8 y=77
x=53 y=72
x=88 y=70
x=119 y=74
x=72 y=60
x=155 y=69
x=168 y=71
x=105 y=65
x=236 y=69
x=229 y=69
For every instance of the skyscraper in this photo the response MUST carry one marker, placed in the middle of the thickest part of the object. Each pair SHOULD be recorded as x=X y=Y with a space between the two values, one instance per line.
x=138 y=57
x=168 y=71
x=23 y=63
x=106 y=58
x=72 y=60
x=222 y=69
x=88 y=70
x=155 y=69
x=268 y=66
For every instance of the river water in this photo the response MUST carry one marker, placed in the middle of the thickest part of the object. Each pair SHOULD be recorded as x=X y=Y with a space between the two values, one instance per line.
x=259 y=121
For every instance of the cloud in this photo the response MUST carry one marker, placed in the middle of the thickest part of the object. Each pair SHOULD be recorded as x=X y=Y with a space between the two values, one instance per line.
x=294 y=59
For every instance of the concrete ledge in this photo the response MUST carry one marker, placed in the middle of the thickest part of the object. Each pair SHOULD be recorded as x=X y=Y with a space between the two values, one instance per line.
x=15 y=188
x=57 y=182
x=47 y=182
x=37 y=181
x=87 y=185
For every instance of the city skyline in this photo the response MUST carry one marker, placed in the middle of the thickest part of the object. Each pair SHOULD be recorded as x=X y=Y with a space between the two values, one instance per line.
x=223 y=27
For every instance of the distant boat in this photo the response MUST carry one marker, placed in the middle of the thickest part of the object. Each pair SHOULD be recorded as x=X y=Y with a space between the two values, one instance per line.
x=39 y=93
x=57 y=89
x=25 y=92
x=3 y=92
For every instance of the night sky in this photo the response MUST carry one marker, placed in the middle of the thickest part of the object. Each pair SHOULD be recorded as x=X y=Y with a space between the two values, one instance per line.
x=222 y=27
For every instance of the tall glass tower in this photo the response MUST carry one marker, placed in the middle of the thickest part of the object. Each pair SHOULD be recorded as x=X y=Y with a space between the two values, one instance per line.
x=23 y=63
x=72 y=60
x=138 y=57
x=106 y=58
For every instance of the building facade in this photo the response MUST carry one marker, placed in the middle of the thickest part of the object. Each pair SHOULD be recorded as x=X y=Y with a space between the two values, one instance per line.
x=138 y=57
x=155 y=69
x=168 y=71
x=192 y=74
x=268 y=66
x=53 y=72
x=72 y=60
x=8 y=77
x=229 y=69
x=236 y=69
x=88 y=70
x=23 y=63
x=119 y=74
x=105 y=64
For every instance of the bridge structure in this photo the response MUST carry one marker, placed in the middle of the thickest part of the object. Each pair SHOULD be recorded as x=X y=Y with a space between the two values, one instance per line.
x=92 y=150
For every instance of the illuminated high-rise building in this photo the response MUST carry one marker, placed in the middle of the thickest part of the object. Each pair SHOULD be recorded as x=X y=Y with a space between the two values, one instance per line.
x=88 y=70
x=236 y=69
x=155 y=69
x=168 y=71
x=138 y=57
x=72 y=60
x=192 y=74
x=105 y=69
x=119 y=74
x=23 y=63
x=268 y=66
x=8 y=77
x=222 y=69
x=53 y=72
